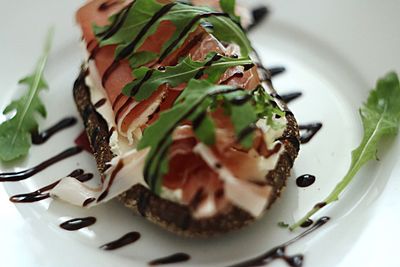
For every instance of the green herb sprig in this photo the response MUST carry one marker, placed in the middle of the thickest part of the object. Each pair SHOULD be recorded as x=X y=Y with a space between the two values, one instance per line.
x=179 y=74
x=381 y=118
x=15 y=133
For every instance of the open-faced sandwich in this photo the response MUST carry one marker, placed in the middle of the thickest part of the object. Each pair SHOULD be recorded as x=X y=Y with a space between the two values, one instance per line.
x=182 y=119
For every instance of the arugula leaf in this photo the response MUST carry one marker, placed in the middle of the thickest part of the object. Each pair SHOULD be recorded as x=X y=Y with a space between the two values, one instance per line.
x=143 y=86
x=228 y=31
x=141 y=58
x=138 y=16
x=205 y=130
x=195 y=104
x=141 y=22
x=158 y=135
x=228 y=6
x=381 y=118
x=224 y=28
x=203 y=125
x=15 y=133
x=266 y=108
x=243 y=115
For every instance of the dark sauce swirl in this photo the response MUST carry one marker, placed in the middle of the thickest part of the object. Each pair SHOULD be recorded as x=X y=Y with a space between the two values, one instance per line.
x=308 y=131
x=174 y=258
x=78 y=223
x=127 y=239
x=22 y=175
x=305 y=180
x=43 y=193
x=41 y=138
x=279 y=252
x=287 y=98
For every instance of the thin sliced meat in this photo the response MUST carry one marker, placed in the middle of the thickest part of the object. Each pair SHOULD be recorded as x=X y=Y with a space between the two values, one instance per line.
x=198 y=44
x=202 y=188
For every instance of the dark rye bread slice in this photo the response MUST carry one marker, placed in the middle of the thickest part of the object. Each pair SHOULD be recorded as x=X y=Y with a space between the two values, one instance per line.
x=169 y=215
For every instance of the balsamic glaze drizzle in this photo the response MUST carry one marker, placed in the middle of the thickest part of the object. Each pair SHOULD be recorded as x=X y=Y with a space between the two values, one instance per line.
x=22 y=175
x=78 y=223
x=41 y=138
x=42 y=193
x=287 y=98
x=307 y=223
x=276 y=70
x=305 y=180
x=88 y=201
x=259 y=14
x=308 y=131
x=100 y=103
x=174 y=258
x=279 y=252
x=127 y=239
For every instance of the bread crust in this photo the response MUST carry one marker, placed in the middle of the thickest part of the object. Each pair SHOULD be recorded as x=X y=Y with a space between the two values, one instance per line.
x=167 y=214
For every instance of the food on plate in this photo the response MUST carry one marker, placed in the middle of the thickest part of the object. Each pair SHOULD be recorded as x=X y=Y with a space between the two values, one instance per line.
x=183 y=121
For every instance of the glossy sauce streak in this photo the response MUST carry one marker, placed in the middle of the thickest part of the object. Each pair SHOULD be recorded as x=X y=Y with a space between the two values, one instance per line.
x=88 y=201
x=279 y=252
x=276 y=71
x=22 y=175
x=127 y=239
x=305 y=180
x=100 y=103
x=42 y=193
x=307 y=223
x=78 y=223
x=259 y=14
x=287 y=98
x=174 y=258
x=40 y=138
x=308 y=131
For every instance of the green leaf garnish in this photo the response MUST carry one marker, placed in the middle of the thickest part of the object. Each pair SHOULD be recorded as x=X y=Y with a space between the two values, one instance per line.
x=205 y=129
x=144 y=17
x=159 y=135
x=15 y=133
x=228 y=6
x=144 y=86
x=194 y=104
x=141 y=58
x=132 y=27
x=381 y=118
x=138 y=16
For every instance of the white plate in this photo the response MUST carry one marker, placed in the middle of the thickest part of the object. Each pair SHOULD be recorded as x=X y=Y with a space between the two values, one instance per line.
x=333 y=51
